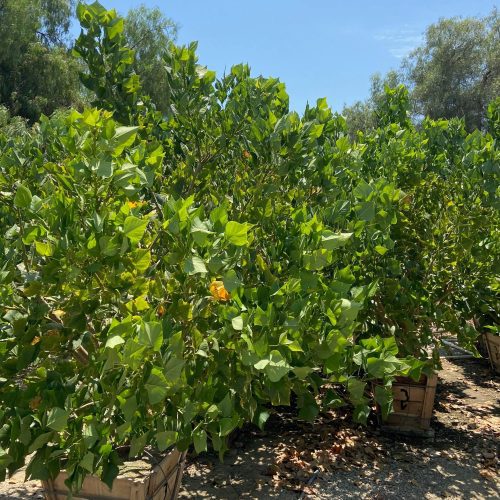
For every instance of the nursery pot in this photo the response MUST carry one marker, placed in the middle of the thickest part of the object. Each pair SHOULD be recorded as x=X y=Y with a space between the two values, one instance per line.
x=492 y=343
x=412 y=407
x=161 y=482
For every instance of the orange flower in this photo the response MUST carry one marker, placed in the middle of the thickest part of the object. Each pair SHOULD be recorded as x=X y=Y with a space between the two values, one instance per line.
x=246 y=154
x=160 y=311
x=135 y=204
x=218 y=291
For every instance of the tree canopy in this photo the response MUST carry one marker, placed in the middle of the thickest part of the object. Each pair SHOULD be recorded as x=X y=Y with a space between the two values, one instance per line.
x=455 y=73
x=148 y=32
x=37 y=74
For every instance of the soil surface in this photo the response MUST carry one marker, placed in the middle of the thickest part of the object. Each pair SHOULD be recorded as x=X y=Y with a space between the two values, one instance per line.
x=334 y=458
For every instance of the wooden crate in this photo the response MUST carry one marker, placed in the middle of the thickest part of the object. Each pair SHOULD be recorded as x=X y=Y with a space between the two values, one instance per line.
x=412 y=406
x=162 y=483
x=493 y=346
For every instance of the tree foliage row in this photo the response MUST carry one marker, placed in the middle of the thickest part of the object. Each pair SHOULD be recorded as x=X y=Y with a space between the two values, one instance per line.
x=169 y=275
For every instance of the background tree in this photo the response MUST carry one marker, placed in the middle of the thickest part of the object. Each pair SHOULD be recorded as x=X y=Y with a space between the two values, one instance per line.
x=37 y=73
x=456 y=72
x=148 y=32
x=362 y=116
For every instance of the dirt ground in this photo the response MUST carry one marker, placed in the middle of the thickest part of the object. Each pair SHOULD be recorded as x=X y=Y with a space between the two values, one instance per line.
x=333 y=458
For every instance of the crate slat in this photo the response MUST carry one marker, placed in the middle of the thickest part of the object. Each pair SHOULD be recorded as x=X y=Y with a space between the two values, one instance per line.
x=492 y=343
x=162 y=483
x=412 y=406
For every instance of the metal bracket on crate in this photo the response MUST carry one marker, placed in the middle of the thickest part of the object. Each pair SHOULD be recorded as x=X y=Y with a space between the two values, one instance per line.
x=404 y=402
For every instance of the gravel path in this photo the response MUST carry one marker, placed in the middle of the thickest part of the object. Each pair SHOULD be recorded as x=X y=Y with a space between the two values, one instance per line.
x=356 y=462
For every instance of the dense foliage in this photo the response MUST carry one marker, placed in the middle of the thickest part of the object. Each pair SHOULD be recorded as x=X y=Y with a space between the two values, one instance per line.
x=446 y=253
x=167 y=277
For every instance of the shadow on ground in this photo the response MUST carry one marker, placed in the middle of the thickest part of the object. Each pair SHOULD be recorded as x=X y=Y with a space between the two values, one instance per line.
x=358 y=462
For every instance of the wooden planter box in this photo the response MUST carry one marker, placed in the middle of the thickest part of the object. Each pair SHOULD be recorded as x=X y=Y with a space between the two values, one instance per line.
x=162 y=482
x=412 y=407
x=493 y=346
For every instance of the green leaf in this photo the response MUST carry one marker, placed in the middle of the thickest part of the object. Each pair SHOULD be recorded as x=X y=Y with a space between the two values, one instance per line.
x=231 y=281
x=316 y=130
x=110 y=245
x=382 y=367
x=200 y=231
x=261 y=317
x=5 y=459
x=261 y=364
x=302 y=371
x=237 y=323
x=218 y=217
x=366 y=211
x=363 y=190
x=376 y=367
x=294 y=346
x=345 y=275
x=134 y=228
x=195 y=265
x=57 y=419
x=105 y=167
x=114 y=28
x=165 y=439
x=317 y=260
x=23 y=197
x=384 y=397
x=173 y=369
x=200 y=440
x=114 y=341
x=356 y=390
x=331 y=241
x=40 y=440
x=156 y=386
x=361 y=413
x=236 y=233
x=309 y=411
x=87 y=462
x=90 y=435
x=129 y=406
x=381 y=249
x=227 y=425
x=123 y=138
x=280 y=392
x=262 y=419
x=137 y=445
x=141 y=259
x=151 y=334
x=37 y=468
x=277 y=367
x=109 y=472
x=45 y=249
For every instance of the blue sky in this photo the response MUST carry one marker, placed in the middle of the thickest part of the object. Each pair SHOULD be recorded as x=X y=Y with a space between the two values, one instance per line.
x=319 y=48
